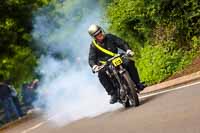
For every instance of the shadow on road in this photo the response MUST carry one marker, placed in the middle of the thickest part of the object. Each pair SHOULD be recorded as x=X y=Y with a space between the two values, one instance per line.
x=149 y=99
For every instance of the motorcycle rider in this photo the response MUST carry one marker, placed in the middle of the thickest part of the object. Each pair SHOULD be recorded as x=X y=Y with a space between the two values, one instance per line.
x=109 y=43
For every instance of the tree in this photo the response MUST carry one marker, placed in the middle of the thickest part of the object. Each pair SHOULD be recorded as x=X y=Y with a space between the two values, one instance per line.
x=17 y=60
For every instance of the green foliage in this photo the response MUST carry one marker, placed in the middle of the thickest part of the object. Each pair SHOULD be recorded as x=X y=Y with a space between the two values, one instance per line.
x=15 y=21
x=20 y=67
x=138 y=18
x=127 y=18
x=185 y=15
x=163 y=33
x=195 y=43
x=158 y=63
x=17 y=60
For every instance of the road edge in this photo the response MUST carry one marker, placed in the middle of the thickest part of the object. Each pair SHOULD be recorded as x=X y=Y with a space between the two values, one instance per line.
x=173 y=83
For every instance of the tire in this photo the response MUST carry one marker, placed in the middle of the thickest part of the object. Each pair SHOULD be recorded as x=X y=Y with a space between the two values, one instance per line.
x=127 y=104
x=133 y=97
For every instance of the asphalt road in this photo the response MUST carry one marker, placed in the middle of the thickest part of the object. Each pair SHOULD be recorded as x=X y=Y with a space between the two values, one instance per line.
x=176 y=111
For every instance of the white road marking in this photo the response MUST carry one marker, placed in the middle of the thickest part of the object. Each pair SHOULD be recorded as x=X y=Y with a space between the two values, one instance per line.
x=165 y=91
x=38 y=125
x=34 y=127
x=145 y=96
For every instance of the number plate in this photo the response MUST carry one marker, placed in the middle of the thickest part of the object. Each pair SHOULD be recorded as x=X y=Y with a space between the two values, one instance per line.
x=117 y=61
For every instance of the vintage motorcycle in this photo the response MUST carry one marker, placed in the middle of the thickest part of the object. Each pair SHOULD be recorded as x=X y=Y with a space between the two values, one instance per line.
x=126 y=88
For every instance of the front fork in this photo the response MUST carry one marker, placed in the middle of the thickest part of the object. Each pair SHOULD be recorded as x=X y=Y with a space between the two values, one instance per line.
x=120 y=88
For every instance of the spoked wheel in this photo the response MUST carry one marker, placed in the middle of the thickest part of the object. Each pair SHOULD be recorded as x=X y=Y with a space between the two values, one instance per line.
x=132 y=99
x=126 y=103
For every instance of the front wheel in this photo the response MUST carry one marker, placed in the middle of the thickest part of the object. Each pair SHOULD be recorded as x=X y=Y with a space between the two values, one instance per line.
x=133 y=99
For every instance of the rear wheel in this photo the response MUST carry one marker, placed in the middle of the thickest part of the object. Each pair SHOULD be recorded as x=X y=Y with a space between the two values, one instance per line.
x=133 y=99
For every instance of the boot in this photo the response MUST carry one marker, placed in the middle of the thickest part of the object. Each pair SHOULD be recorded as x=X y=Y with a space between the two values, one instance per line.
x=140 y=86
x=113 y=98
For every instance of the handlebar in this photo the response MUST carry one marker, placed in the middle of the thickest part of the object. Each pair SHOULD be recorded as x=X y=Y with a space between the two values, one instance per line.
x=122 y=55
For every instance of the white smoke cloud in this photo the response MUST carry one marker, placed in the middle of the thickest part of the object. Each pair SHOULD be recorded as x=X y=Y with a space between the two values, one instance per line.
x=68 y=90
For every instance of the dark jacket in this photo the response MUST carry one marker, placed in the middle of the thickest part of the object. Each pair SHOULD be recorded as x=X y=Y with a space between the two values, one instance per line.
x=111 y=43
x=5 y=91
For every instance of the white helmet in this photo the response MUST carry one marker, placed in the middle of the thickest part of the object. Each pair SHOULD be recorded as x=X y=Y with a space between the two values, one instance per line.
x=94 y=30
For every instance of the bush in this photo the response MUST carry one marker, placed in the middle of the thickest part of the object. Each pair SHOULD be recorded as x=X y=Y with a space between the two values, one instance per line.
x=19 y=67
x=17 y=60
x=137 y=19
x=126 y=19
x=158 y=63
x=163 y=33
